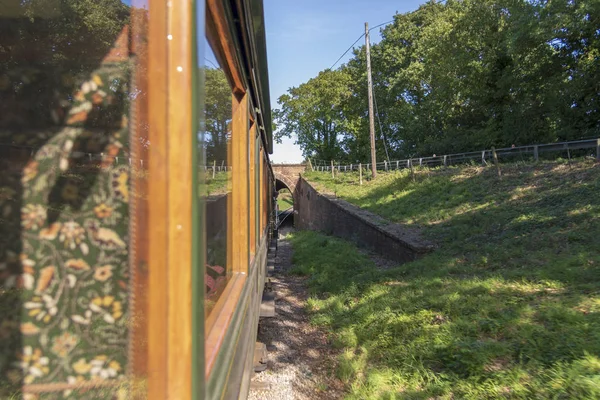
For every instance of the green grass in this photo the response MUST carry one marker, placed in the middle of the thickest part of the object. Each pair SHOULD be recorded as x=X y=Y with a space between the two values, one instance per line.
x=284 y=200
x=218 y=185
x=508 y=306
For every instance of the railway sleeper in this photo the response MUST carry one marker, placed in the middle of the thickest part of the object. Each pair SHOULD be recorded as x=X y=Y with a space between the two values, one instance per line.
x=260 y=357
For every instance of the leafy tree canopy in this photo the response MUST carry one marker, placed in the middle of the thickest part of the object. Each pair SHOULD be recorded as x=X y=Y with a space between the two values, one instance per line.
x=459 y=76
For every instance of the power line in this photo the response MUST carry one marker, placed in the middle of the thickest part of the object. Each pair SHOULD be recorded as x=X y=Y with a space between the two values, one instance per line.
x=380 y=128
x=351 y=46
x=383 y=23
x=356 y=41
x=213 y=64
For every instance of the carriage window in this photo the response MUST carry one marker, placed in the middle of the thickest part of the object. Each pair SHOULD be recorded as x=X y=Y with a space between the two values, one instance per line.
x=215 y=173
x=73 y=139
x=257 y=161
x=252 y=182
x=266 y=192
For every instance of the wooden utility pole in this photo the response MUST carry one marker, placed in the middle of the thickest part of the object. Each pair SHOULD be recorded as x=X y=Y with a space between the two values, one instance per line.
x=371 y=116
x=360 y=173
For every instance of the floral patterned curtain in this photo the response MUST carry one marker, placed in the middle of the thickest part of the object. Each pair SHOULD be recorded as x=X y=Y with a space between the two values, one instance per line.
x=64 y=204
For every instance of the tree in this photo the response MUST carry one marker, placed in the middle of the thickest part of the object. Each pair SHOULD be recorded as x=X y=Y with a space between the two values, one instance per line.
x=314 y=112
x=217 y=114
x=459 y=76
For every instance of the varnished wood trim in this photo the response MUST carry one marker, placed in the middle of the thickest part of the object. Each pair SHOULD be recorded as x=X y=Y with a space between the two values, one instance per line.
x=252 y=208
x=229 y=301
x=224 y=47
x=218 y=321
x=179 y=172
x=60 y=387
x=265 y=190
x=240 y=194
x=138 y=226
x=261 y=177
x=157 y=202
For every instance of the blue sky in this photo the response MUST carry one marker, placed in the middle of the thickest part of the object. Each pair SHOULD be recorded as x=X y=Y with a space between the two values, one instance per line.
x=307 y=36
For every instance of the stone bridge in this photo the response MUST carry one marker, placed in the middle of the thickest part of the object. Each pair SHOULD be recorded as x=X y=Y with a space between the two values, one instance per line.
x=287 y=175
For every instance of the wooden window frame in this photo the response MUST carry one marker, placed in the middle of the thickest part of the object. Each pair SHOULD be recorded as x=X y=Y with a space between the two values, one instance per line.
x=257 y=180
x=238 y=239
x=171 y=296
x=252 y=183
x=170 y=279
x=218 y=322
x=266 y=194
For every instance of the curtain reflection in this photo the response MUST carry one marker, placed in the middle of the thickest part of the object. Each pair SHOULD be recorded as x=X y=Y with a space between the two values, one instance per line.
x=65 y=94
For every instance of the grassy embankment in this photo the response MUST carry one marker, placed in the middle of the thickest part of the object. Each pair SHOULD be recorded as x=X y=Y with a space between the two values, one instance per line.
x=284 y=200
x=217 y=185
x=508 y=306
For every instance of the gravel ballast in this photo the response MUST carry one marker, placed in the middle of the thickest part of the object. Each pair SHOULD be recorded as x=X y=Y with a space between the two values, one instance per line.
x=300 y=361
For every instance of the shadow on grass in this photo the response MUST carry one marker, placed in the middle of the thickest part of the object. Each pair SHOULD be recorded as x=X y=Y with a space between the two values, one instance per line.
x=508 y=306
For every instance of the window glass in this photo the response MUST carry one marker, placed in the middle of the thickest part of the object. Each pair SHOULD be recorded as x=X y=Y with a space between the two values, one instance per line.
x=252 y=173
x=73 y=139
x=266 y=191
x=216 y=173
x=257 y=161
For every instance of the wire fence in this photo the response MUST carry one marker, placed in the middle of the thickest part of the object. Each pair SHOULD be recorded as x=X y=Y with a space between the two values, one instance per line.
x=483 y=157
x=119 y=158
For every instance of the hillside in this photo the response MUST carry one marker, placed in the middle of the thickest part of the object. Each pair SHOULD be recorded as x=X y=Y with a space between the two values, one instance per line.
x=284 y=200
x=508 y=306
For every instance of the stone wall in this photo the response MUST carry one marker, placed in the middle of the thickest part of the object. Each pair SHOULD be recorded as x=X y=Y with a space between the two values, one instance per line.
x=288 y=174
x=333 y=216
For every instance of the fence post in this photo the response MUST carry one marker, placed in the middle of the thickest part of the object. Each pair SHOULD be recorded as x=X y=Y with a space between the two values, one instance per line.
x=598 y=149
x=536 y=153
x=412 y=171
x=360 y=173
x=483 y=158
x=495 y=157
x=332 y=170
x=420 y=162
x=445 y=163
x=385 y=164
x=214 y=168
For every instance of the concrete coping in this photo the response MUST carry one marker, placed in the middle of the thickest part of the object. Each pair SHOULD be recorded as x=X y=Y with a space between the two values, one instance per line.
x=408 y=236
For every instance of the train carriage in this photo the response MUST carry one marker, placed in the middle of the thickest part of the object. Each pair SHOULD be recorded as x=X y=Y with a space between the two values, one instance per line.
x=135 y=197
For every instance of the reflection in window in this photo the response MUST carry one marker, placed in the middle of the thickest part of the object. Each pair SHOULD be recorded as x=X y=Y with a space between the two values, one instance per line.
x=66 y=101
x=216 y=170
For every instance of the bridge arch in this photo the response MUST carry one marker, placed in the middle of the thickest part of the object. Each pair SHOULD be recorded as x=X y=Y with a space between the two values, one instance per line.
x=287 y=175
x=281 y=182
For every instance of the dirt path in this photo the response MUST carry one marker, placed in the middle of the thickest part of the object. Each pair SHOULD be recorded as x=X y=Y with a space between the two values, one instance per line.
x=301 y=363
